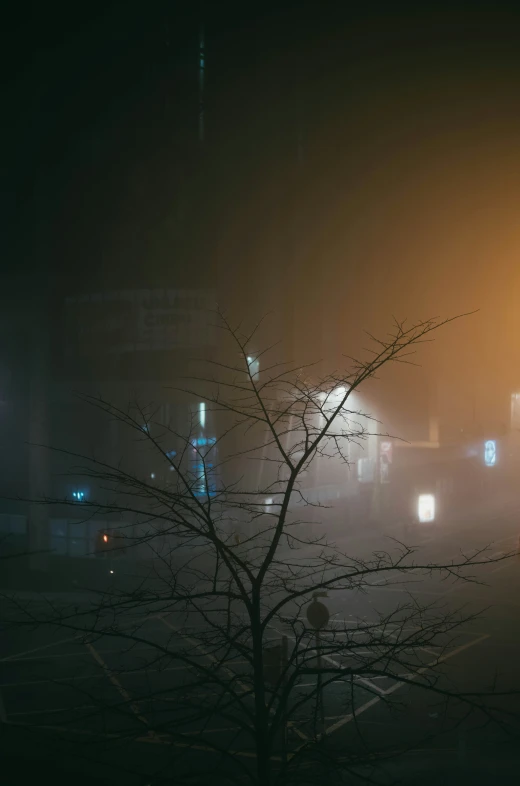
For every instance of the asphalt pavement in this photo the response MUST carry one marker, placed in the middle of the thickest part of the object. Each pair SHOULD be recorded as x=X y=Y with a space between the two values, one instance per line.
x=108 y=703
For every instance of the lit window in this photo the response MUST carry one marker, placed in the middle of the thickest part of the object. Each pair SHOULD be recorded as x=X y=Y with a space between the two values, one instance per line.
x=202 y=414
x=201 y=442
x=366 y=470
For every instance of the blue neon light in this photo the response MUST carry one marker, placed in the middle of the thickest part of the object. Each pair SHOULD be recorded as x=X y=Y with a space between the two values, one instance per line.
x=490 y=453
x=203 y=441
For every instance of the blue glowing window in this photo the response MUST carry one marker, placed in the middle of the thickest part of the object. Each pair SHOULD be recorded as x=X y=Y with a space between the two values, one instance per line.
x=490 y=453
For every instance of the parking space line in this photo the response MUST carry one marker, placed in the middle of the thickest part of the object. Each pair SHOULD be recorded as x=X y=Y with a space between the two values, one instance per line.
x=505 y=540
x=380 y=677
x=362 y=626
x=370 y=684
x=116 y=683
x=312 y=650
x=164 y=740
x=344 y=622
x=428 y=650
x=86 y=732
x=327 y=658
x=348 y=718
x=79 y=637
x=77 y=654
x=506 y=564
x=38 y=649
x=95 y=706
x=407 y=589
x=214 y=731
x=55 y=710
x=208 y=655
x=414 y=649
x=89 y=677
x=215 y=660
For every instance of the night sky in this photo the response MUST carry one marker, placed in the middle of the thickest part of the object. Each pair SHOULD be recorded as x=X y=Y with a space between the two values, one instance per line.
x=361 y=158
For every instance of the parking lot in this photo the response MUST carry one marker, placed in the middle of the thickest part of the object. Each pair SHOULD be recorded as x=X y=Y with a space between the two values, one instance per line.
x=125 y=692
x=107 y=686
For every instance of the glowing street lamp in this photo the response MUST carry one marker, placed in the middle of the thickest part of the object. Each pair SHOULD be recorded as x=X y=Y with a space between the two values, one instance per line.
x=426 y=508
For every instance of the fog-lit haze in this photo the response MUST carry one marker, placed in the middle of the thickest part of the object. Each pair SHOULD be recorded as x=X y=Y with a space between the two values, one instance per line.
x=343 y=169
x=354 y=167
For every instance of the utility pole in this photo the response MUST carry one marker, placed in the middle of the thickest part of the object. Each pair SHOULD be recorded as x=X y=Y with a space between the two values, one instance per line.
x=318 y=616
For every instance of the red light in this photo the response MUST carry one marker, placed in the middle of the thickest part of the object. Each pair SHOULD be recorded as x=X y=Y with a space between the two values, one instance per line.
x=105 y=538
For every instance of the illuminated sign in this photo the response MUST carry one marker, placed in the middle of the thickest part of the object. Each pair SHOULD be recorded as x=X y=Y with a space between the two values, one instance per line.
x=490 y=453
x=426 y=508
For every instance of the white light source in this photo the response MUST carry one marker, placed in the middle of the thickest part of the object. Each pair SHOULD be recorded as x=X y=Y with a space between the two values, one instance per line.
x=253 y=366
x=426 y=508
x=332 y=395
x=202 y=414
x=490 y=453
x=152 y=475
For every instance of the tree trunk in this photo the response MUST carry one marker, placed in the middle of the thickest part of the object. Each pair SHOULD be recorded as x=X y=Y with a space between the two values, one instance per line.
x=263 y=745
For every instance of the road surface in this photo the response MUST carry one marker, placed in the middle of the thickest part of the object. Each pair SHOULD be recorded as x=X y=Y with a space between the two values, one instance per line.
x=107 y=705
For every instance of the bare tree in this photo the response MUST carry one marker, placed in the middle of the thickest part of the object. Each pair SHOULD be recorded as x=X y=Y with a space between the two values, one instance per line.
x=235 y=577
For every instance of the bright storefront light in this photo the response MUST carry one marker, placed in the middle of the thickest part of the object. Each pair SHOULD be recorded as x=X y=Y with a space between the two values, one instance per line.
x=426 y=508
